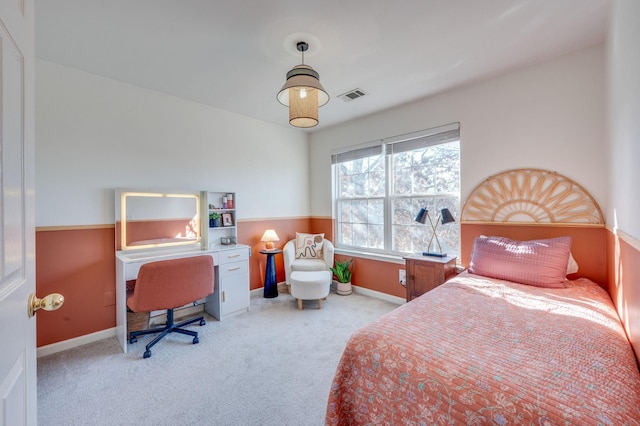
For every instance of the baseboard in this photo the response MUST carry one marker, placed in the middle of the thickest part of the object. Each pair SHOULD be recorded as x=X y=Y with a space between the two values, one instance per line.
x=282 y=289
x=379 y=295
x=75 y=342
x=111 y=332
x=257 y=291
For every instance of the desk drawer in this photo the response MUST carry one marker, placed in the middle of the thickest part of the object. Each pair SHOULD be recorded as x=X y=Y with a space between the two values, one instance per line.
x=131 y=269
x=235 y=255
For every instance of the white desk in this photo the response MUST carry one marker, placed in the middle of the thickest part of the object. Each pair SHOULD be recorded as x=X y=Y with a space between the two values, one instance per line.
x=231 y=294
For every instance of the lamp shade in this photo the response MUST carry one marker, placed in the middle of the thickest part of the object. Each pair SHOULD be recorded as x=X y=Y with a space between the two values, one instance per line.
x=422 y=216
x=447 y=217
x=303 y=93
x=269 y=237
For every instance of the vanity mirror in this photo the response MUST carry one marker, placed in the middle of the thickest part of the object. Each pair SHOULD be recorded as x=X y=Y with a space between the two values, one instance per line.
x=156 y=218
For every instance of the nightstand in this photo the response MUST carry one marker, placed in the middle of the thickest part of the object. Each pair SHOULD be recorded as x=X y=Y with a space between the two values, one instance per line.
x=270 y=281
x=424 y=273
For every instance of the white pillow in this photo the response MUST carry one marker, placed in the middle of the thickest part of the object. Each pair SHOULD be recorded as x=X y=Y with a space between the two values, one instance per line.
x=309 y=246
x=572 y=266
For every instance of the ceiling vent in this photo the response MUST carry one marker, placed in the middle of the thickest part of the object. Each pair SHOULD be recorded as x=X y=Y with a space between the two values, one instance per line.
x=352 y=94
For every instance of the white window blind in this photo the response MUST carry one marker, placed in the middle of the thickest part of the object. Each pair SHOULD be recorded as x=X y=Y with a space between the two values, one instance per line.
x=380 y=188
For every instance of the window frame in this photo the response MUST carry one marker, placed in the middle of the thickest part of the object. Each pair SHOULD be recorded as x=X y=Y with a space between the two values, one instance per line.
x=387 y=148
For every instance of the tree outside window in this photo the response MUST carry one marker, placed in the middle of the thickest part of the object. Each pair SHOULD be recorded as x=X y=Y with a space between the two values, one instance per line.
x=381 y=188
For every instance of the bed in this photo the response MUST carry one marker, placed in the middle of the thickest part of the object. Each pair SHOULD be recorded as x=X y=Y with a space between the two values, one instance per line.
x=515 y=339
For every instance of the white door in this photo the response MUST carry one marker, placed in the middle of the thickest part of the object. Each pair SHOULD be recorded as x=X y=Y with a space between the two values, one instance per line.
x=17 y=212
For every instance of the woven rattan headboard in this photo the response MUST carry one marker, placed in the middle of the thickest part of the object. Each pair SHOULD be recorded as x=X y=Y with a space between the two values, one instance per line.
x=531 y=195
x=526 y=204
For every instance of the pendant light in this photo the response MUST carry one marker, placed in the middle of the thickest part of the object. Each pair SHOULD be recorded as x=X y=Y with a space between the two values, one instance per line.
x=303 y=93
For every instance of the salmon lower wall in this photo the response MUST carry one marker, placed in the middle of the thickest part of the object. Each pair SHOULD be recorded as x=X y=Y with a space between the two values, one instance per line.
x=371 y=274
x=623 y=279
x=80 y=264
x=250 y=232
x=376 y=275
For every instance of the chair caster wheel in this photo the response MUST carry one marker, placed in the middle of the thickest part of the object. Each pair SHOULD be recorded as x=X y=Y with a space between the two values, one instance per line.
x=133 y=340
x=203 y=322
x=195 y=340
x=147 y=354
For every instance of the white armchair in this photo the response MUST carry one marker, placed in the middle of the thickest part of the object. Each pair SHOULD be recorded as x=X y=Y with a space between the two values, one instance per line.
x=292 y=264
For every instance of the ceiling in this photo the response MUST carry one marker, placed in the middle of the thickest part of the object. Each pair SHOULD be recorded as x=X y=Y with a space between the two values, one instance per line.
x=234 y=54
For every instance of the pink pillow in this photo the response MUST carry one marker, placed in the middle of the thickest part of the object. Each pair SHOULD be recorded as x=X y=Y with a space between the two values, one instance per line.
x=541 y=263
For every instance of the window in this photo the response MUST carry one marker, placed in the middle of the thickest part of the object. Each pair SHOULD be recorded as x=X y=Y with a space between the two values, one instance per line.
x=379 y=189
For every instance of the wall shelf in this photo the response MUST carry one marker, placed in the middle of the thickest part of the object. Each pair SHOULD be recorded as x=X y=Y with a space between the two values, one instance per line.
x=211 y=203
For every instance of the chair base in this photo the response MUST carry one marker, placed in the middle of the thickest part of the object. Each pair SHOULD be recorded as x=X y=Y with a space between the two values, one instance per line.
x=170 y=327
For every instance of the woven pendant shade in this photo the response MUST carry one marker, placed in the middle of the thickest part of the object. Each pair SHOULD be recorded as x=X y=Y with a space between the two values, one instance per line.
x=303 y=94
x=303 y=107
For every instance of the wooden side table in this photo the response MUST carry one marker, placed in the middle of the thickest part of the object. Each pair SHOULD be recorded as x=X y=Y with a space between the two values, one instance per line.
x=270 y=280
x=424 y=273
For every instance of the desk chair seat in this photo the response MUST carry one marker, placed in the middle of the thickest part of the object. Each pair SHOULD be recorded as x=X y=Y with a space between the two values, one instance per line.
x=170 y=284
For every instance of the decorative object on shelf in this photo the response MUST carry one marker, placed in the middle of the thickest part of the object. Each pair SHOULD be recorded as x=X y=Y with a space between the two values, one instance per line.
x=227 y=219
x=303 y=93
x=214 y=220
x=226 y=241
x=269 y=237
x=227 y=228
x=343 y=272
x=444 y=217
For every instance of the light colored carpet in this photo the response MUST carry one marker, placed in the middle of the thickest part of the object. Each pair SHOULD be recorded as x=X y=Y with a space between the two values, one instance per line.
x=270 y=366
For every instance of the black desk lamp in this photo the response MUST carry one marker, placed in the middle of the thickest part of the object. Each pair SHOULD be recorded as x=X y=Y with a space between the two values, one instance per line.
x=444 y=216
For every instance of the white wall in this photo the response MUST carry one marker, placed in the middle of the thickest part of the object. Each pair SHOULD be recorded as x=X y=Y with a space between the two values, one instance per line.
x=623 y=206
x=94 y=134
x=548 y=116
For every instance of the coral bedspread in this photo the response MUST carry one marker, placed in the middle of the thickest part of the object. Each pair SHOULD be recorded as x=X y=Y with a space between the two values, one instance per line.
x=482 y=351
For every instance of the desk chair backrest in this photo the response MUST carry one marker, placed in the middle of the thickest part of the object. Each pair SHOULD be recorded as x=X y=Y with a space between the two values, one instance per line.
x=168 y=284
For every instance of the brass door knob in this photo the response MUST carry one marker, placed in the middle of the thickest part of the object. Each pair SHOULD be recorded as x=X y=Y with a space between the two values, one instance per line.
x=50 y=302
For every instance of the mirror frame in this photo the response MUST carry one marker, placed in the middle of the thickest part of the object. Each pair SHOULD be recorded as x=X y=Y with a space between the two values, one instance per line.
x=121 y=196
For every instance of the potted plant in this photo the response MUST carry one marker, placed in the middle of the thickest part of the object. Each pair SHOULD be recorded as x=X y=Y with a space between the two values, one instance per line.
x=214 y=220
x=342 y=271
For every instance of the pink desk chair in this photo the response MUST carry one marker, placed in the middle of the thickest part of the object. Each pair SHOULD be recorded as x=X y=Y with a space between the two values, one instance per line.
x=170 y=284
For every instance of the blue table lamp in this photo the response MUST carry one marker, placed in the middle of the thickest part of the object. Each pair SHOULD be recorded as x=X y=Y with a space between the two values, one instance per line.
x=444 y=217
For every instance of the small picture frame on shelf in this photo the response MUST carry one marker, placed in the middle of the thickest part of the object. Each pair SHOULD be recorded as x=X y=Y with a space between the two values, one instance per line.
x=227 y=219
